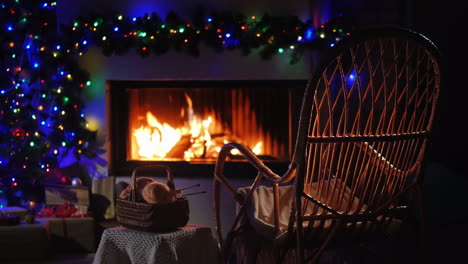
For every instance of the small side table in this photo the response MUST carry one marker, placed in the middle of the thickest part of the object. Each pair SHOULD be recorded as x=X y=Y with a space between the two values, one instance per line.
x=189 y=244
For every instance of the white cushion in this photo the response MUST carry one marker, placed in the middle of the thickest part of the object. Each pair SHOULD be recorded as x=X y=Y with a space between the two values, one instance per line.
x=261 y=211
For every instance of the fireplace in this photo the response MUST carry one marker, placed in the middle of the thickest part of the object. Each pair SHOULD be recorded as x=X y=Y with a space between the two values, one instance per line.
x=184 y=123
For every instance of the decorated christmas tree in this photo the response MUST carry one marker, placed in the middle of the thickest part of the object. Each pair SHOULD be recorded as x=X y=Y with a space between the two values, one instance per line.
x=42 y=122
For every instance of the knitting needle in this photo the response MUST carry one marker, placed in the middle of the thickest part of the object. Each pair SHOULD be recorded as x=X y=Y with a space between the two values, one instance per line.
x=196 y=185
x=194 y=193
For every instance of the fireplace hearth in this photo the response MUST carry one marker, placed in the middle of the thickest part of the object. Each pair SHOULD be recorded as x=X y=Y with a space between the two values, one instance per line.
x=184 y=123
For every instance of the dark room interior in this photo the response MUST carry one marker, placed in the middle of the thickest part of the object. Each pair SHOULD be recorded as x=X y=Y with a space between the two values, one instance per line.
x=63 y=134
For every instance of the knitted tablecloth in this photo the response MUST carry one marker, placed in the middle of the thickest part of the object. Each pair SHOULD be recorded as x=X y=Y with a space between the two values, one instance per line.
x=190 y=244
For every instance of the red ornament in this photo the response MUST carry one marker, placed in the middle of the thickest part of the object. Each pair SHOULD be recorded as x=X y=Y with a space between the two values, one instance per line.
x=19 y=133
x=65 y=180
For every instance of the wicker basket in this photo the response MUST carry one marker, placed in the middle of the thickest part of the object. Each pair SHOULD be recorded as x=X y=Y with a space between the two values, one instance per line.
x=160 y=217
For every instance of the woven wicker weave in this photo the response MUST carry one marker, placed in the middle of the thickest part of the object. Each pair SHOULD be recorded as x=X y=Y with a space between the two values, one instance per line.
x=159 y=217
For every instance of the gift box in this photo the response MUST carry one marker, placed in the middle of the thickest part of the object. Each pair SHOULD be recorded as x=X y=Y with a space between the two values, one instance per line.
x=57 y=194
x=14 y=210
x=23 y=242
x=70 y=234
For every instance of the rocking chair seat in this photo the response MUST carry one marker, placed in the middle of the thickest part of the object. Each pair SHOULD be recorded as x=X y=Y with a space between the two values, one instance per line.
x=261 y=212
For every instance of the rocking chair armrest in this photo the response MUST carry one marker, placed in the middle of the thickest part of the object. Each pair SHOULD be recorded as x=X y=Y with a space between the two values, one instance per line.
x=263 y=172
x=254 y=161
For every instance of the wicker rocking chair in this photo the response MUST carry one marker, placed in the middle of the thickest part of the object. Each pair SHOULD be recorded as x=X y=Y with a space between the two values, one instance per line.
x=364 y=128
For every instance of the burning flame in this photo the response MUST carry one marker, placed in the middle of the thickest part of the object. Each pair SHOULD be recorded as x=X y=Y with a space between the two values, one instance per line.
x=157 y=140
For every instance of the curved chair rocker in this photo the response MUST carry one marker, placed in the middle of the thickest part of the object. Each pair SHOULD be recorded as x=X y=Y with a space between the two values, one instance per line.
x=364 y=127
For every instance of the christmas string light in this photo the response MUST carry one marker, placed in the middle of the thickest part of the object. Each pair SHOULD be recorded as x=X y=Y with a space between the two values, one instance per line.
x=149 y=34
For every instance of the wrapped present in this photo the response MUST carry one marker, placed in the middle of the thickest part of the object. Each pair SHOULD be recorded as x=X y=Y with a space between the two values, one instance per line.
x=9 y=220
x=70 y=234
x=68 y=230
x=14 y=210
x=57 y=194
x=23 y=242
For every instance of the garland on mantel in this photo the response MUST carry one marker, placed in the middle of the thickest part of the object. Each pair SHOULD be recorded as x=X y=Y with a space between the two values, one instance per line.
x=150 y=34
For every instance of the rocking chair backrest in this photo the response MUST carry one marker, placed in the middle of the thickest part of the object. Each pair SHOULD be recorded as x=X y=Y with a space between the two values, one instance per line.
x=365 y=123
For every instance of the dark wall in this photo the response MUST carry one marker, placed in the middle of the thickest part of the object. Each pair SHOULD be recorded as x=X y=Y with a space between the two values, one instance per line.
x=444 y=24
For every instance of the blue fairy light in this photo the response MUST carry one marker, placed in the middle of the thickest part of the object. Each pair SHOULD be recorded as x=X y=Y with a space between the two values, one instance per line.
x=309 y=34
x=351 y=79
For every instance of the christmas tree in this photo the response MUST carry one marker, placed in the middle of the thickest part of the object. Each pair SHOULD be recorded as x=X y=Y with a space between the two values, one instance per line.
x=41 y=106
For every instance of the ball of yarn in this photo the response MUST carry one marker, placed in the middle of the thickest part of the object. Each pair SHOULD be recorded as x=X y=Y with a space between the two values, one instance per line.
x=125 y=193
x=157 y=192
x=140 y=184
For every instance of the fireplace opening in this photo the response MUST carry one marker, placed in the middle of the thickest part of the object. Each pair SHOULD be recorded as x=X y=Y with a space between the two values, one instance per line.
x=184 y=123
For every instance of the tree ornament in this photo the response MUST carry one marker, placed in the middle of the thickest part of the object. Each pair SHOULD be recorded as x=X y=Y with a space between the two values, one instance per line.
x=76 y=182
x=19 y=133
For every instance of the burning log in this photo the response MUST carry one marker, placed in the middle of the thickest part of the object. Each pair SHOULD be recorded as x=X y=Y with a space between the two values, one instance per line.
x=178 y=150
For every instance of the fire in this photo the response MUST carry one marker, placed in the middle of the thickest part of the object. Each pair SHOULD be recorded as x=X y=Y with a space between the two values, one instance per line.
x=156 y=140
x=193 y=140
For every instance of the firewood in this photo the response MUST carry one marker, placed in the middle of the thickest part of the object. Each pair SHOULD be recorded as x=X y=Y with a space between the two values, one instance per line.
x=178 y=150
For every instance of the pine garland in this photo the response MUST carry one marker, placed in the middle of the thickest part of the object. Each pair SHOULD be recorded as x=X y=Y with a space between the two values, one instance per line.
x=150 y=34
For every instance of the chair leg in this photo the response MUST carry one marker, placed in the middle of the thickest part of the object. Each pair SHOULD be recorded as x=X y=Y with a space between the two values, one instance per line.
x=316 y=256
x=254 y=245
x=281 y=254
